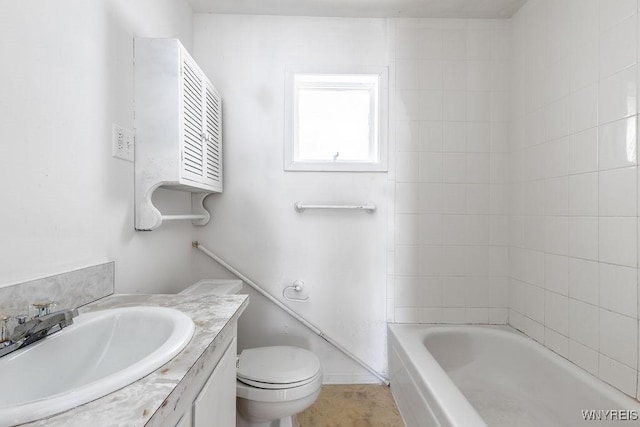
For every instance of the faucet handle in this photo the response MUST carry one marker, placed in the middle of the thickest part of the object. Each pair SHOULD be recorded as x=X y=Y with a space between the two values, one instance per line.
x=21 y=318
x=4 y=331
x=43 y=308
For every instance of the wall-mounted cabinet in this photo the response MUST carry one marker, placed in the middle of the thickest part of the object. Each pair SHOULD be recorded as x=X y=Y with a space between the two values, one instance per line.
x=178 y=120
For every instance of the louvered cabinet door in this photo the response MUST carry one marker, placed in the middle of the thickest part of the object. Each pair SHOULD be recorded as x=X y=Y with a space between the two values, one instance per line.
x=193 y=150
x=213 y=137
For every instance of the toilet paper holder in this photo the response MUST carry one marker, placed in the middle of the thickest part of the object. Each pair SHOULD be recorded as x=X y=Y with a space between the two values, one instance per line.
x=297 y=286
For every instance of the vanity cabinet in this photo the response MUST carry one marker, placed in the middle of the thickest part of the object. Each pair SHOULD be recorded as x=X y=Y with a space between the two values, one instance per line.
x=210 y=399
x=178 y=121
x=215 y=405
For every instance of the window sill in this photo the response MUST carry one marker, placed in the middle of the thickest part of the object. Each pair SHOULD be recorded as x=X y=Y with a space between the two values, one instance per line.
x=335 y=167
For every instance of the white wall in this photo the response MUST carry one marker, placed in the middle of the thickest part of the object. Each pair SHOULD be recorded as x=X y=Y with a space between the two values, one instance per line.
x=574 y=223
x=341 y=256
x=451 y=212
x=66 y=76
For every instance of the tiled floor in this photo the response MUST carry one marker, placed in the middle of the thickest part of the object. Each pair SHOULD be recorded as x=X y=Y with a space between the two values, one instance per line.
x=366 y=405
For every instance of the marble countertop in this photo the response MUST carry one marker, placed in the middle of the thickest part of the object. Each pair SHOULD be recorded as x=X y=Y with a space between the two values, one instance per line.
x=136 y=404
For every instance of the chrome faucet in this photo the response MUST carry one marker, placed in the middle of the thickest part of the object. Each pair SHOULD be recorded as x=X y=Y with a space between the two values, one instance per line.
x=29 y=331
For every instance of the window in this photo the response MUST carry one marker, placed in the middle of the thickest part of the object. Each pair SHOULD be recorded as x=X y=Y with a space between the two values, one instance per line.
x=336 y=122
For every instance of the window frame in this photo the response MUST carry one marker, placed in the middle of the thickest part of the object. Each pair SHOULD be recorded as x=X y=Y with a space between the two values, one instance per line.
x=379 y=147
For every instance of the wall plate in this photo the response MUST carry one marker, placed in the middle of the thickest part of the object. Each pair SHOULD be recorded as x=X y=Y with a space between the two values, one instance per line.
x=123 y=143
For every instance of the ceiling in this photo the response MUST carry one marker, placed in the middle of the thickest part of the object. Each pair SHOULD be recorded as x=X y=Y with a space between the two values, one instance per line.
x=364 y=8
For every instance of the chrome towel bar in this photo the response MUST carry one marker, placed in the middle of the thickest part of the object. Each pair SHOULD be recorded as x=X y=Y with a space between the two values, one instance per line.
x=368 y=207
x=181 y=217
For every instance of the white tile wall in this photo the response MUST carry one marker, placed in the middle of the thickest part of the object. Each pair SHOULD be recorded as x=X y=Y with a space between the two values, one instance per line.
x=451 y=220
x=573 y=256
x=516 y=178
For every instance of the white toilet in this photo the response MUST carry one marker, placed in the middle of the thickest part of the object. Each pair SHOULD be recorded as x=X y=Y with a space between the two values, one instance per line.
x=273 y=383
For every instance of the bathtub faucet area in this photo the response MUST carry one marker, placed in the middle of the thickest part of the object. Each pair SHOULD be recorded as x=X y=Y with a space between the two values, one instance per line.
x=29 y=331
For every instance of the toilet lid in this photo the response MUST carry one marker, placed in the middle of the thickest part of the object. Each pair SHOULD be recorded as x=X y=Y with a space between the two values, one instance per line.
x=284 y=365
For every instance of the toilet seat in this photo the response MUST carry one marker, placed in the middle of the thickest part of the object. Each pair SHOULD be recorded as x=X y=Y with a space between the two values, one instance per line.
x=288 y=394
x=277 y=367
x=271 y=386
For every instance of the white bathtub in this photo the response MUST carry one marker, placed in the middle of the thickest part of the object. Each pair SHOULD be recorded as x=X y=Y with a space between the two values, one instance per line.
x=468 y=376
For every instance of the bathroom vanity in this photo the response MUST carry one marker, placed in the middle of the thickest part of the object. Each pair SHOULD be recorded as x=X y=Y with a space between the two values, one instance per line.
x=195 y=388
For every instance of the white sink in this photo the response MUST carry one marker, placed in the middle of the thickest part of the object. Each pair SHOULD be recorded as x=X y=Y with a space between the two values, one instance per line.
x=101 y=352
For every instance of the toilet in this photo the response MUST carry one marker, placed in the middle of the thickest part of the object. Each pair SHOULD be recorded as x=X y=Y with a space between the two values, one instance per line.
x=273 y=383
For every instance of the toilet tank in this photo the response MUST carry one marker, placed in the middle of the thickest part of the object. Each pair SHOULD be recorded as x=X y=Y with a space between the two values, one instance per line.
x=217 y=287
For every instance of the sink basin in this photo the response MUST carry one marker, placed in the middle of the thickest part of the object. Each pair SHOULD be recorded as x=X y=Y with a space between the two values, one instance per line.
x=101 y=352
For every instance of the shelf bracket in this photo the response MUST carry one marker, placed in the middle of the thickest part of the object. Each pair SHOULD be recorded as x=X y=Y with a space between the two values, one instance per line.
x=197 y=207
x=148 y=217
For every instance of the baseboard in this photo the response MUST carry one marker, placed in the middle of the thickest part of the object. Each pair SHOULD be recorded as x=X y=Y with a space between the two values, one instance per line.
x=349 y=379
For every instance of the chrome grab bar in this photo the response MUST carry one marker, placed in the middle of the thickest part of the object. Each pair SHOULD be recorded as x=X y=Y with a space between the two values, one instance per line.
x=290 y=312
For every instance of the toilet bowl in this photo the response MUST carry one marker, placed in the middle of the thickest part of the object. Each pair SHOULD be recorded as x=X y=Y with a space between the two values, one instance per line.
x=273 y=383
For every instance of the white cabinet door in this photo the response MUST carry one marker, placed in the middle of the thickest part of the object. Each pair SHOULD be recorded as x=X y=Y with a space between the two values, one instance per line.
x=215 y=406
x=201 y=127
x=213 y=137
x=193 y=112
x=185 y=421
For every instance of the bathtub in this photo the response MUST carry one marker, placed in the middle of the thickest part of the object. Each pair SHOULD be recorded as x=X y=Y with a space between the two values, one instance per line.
x=468 y=376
